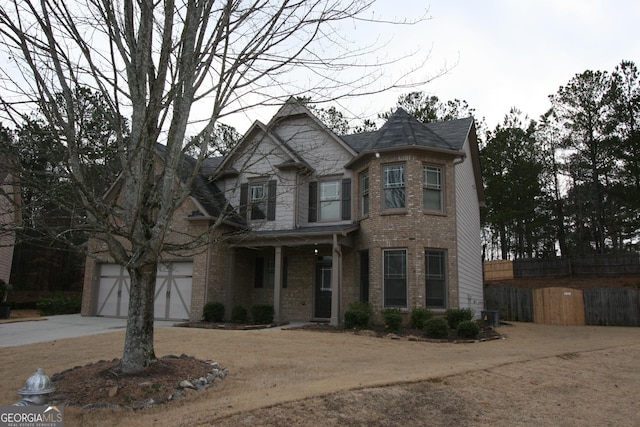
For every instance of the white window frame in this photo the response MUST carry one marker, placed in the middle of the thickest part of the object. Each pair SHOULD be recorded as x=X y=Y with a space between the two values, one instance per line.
x=255 y=202
x=393 y=186
x=437 y=186
x=332 y=200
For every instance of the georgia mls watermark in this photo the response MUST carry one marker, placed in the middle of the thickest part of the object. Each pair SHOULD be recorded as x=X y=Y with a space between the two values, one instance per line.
x=31 y=416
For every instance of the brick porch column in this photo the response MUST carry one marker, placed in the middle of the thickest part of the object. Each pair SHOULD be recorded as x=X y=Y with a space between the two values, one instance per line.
x=336 y=283
x=277 y=283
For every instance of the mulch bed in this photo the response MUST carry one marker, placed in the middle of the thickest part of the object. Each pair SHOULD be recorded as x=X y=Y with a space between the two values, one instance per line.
x=487 y=333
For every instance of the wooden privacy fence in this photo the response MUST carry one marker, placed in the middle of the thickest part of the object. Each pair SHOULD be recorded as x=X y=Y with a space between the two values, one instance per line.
x=566 y=306
x=515 y=304
x=609 y=264
x=498 y=270
x=612 y=306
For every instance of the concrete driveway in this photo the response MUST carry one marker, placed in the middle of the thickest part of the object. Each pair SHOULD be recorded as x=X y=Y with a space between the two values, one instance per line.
x=52 y=328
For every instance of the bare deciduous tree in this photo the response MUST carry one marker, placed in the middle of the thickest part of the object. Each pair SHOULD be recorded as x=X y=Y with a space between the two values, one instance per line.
x=159 y=65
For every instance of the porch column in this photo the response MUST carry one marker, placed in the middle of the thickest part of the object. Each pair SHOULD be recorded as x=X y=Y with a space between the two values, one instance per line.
x=336 y=282
x=277 y=283
x=230 y=282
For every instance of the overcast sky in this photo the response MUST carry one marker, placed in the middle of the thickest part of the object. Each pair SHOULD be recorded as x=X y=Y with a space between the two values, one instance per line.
x=506 y=52
x=517 y=52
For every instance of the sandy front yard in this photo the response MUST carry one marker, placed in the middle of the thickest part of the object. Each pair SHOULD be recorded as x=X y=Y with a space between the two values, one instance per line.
x=538 y=375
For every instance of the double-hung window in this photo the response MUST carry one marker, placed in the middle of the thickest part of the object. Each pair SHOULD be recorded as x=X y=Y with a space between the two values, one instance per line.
x=395 y=278
x=394 y=187
x=330 y=200
x=435 y=279
x=364 y=193
x=432 y=194
x=258 y=200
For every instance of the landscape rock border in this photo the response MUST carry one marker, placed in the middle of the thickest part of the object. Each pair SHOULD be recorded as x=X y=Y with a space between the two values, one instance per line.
x=183 y=386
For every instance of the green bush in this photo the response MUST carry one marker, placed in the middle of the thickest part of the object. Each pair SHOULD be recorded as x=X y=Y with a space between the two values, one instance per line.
x=437 y=328
x=392 y=319
x=262 y=314
x=239 y=314
x=4 y=291
x=358 y=315
x=213 y=312
x=418 y=316
x=59 y=304
x=456 y=315
x=468 y=329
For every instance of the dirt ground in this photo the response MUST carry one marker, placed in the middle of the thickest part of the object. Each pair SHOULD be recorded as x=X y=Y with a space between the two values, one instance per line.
x=538 y=375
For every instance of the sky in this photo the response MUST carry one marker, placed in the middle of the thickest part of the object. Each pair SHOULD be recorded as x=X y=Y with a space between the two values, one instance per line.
x=502 y=53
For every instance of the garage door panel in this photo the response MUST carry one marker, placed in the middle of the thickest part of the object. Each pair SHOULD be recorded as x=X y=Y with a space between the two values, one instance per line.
x=180 y=297
x=113 y=291
x=172 y=295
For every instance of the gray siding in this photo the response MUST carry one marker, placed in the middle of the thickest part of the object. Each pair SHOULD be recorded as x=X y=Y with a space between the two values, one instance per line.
x=468 y=235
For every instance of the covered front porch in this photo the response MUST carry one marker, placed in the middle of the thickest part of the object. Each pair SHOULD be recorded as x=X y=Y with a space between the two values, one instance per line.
x=305 y=273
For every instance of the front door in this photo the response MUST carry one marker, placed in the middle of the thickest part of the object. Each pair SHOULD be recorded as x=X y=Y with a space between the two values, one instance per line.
x=323 y=289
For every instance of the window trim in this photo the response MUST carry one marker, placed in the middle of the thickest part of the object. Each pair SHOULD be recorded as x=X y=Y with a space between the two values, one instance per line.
x=405 y=251
x=403 y=187
x=440 y=187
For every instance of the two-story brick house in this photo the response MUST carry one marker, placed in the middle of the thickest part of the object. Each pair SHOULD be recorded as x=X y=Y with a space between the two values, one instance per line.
x=390 y=217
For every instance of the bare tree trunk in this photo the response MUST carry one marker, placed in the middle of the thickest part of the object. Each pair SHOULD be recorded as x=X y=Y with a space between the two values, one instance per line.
x=138 y=343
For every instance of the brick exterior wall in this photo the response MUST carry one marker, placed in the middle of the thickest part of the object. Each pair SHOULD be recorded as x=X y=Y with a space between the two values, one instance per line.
x=412 y=229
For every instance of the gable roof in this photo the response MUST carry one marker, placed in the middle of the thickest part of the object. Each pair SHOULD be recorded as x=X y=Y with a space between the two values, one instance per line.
x=203 y=190
x=403 y=130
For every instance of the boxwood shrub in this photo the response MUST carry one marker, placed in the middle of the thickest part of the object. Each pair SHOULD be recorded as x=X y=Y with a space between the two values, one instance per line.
x=392 y=319
x=213 y=312
x=437 y=328
x=456 y=315
x=358 y=315
x=468 y=329
x=262 y=314
x=418 y=316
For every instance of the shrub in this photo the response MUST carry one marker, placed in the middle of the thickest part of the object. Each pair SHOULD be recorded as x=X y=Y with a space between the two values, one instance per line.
x=213 y=312
x=468 y=329
x=456 y=315
x=358 y=315
x=262 y=314
x=392 y=319
x=239 y=314
x=59 y=304
x=437 y=328
x=4 y=291
x=418 y=316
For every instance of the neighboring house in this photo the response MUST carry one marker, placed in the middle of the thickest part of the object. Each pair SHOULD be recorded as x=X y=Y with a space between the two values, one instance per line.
x=391 y=217
x=10 y=218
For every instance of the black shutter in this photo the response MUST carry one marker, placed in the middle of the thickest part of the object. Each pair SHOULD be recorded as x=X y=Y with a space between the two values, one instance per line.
x=346 y=199
x=313 y=201
x=244 y=200
x=271 y=200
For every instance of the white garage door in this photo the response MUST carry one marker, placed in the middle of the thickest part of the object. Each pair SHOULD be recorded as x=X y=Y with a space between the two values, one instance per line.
x=173 y=291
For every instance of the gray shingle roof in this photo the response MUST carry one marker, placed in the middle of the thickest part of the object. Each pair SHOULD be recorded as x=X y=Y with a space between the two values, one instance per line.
x=404 y=130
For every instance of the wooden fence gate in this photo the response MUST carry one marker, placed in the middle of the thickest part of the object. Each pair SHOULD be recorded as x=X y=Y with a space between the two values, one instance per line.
x=558 y=306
